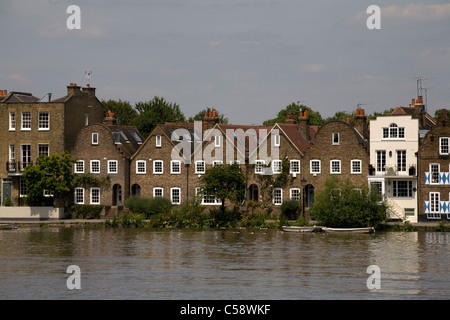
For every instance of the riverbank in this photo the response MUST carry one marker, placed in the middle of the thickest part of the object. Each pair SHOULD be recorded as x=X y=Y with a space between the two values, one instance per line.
x=272 y=224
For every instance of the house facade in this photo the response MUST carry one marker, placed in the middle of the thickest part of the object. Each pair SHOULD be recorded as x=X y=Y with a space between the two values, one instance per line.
x=103 y=152
x=434 y=172
x=30 y=127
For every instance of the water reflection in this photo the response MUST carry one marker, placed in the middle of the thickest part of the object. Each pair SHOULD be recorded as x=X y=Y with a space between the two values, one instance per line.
x=225 y=264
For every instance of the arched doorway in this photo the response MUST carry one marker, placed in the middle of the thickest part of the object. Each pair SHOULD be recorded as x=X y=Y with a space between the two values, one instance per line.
x=136 y=190
x=253 y=192
x=117 y=195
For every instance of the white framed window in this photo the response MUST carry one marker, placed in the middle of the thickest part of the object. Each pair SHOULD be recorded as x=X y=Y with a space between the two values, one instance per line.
x=95 y=196
x=294 y=194
x=12 y=153
x=276 y=140
x=277 y=196
x=112 y=166
x=158 y=140
x=276 y=166
x=434 y=173
x=259 y=166
x=335 y=138
x=394 y=132
x=381 y=160
x=217 y=141
x=444 y=148
x=175 y=166
x=175 y=195
x=79 y=166
x=25 y=150
x=12 y=121
x=141 y=167
x=79 y=196
x=43 y=149
x=206 y=198
x=434 y=202
x=94 y=138
x=294 y=166
x=314 y=166
x=199 y=166
x=217 y=163
x=158 y=167
x=401 y=160
x=44 y=121
x=356 y=166
x=158 y=192
x=402 y=189
x=95 y=166
x=26 y=121
x=335 y=166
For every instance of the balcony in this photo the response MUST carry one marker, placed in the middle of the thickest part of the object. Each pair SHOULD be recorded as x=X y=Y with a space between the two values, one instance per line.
x=408 y=170
x=16 y=167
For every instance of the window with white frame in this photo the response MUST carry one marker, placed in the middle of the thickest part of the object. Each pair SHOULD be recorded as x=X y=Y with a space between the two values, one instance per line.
x=207 y=199
x=12 y=121
x=158 y=192
x=259 y=166
x=44 y=121
x=175 y=166
x=444 y=146
x=94 y=138
x=294 y=194
x=335 y=138
x=79 y=166
x=175 y=195
x=217 y=163
x=277 y=196
x=335 y=166
x=141 y=167
x=95 y=196
x=26 y=120
x=314 y=166
x=157 y=167
x=158 y=140
x=25 y=150
x=199 y=166
x=79 y=196
x=434 y=202
x=394 y=132
x=276 y=166
x=402 y=189
x=217 y=141
x=112 y=166
x=434 y=172
x=381 y=160
x=401 y=160
x=356 y=167
x=12 y=153
x=295 y=166
x=95 y=166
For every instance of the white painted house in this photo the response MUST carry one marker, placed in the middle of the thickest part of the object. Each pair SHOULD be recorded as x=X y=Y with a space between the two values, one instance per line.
x=394 y=145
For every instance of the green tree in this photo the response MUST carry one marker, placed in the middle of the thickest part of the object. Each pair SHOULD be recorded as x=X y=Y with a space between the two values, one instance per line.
x=124 y=113
x=199 y=116
x=156 y=111
x=225 y=182
x=315 y=118
x=52 y=174
x=343 y=205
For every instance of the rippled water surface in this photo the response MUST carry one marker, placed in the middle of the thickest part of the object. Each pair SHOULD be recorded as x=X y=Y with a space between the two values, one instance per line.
x=225 y=264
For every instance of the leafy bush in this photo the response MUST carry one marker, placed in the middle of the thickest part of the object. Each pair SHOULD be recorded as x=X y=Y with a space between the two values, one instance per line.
x=341 y=204
x=289 y=208
x=148 y=206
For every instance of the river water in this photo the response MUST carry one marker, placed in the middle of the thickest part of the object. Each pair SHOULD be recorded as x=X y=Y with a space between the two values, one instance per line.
x=221 y=264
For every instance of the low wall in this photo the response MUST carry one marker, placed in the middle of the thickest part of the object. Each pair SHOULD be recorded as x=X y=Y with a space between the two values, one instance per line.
x=31 y=213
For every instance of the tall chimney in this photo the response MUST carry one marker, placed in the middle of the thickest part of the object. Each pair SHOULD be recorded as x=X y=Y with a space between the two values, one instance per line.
x=210 y=119
x=361 y=123
x=303 y=123
x=90 y=91
x=290 y=118
x=73 y=89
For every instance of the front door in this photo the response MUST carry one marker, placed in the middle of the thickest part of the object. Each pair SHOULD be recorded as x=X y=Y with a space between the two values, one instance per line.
x=6 y=191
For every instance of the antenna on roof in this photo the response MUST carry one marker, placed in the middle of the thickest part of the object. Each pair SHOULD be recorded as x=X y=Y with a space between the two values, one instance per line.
x=426 y=96
x=419 y=84
x=49 y=97
x=88 y=74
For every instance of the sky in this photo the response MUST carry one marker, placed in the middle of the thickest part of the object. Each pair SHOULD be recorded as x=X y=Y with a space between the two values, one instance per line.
x=246 y=58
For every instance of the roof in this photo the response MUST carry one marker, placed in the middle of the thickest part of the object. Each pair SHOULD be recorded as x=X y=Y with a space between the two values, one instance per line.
x=129 y=137
x=20 y=97
x=296 y=136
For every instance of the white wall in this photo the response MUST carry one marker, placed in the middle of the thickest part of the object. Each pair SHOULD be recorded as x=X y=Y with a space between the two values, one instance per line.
x=35 y=213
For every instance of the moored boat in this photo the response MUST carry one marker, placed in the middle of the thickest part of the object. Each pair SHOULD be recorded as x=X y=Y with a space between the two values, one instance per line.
x=349 y=230
x=8 y=226
x=301 y=229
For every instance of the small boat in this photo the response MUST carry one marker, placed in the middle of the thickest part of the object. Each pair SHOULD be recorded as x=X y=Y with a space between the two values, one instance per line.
x=301 y=229
x=7 y=226
x=349 y=230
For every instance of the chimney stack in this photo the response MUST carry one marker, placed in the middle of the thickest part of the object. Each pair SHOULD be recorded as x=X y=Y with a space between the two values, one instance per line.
x=361 y=123
x=90 y=91
x=73 y=89
x=109 y=119
x=210 y=119
x=303 y=123
x=3 y=93
x=290 y=118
